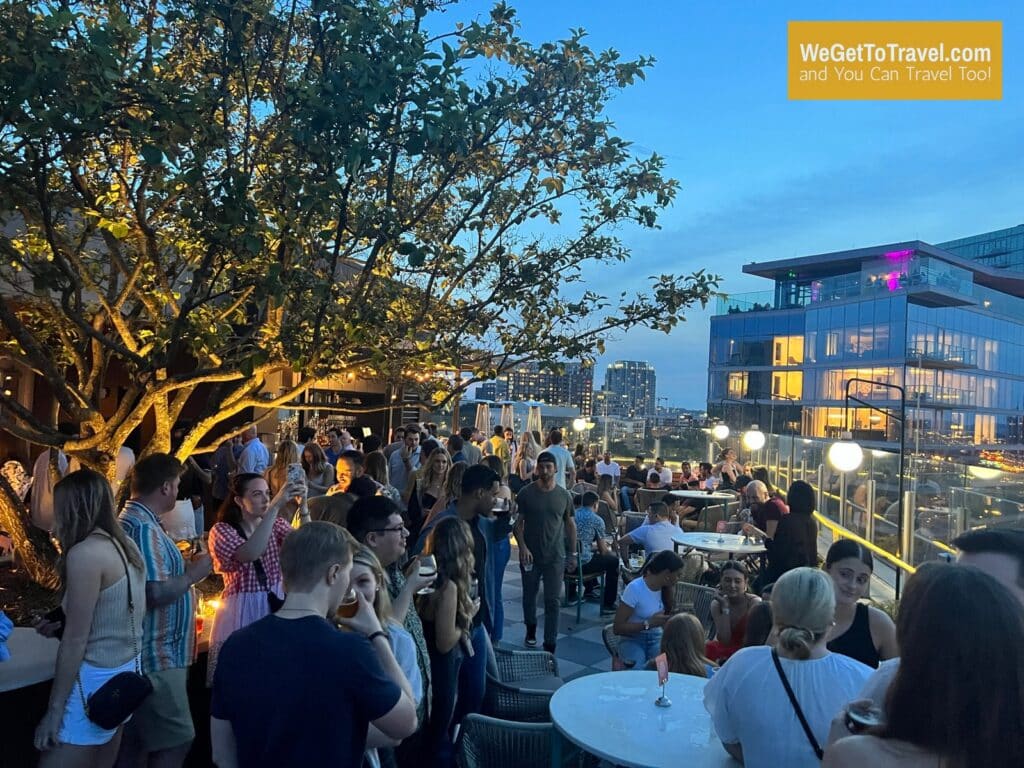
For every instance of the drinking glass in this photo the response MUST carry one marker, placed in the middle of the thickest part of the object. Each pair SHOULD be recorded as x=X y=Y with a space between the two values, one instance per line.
x=428 y=568
x=349 y=605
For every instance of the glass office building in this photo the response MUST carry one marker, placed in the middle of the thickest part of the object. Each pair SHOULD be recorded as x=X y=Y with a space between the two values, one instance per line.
x=945 y=322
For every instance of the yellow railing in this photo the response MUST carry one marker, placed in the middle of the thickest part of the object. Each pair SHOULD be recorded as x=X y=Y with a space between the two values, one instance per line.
x=845 y=533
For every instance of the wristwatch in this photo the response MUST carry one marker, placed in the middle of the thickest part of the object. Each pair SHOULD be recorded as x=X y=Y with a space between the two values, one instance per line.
x=647 y=625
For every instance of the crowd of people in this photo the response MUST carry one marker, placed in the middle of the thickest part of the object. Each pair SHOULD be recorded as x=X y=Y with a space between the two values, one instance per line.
x=363 y=594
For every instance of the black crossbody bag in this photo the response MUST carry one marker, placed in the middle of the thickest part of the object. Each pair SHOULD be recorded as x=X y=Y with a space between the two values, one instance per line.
x=273 y=600
x=114 y=701
x=796 y=706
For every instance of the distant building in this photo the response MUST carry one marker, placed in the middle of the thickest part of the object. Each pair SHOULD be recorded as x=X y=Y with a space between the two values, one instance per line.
x=945 y=322
x=634 y=383
x=574 y=388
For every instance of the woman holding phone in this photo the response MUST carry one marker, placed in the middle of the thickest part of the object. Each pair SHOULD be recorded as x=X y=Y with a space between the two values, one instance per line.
x=245 y=545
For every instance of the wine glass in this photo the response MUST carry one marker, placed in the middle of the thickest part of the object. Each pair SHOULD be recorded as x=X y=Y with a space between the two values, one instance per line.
x=428 y=568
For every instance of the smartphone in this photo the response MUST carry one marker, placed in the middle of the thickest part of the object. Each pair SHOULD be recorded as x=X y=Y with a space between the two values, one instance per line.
x=296 y=474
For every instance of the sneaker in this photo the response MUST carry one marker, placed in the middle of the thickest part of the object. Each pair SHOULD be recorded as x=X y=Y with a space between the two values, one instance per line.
x=531 y=637
x=607 y=610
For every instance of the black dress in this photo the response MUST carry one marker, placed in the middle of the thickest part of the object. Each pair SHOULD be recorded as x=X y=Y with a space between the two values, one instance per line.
x=795 y=545
x=856 y=641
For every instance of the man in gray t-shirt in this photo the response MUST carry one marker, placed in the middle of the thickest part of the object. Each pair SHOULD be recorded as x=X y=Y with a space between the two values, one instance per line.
x=545 y=522
x=565 y=466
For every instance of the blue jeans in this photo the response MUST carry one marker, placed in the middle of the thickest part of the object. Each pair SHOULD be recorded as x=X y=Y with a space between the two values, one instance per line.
x=473 y=675
x=445 y=671
x=625 y=494
x=641 y=648
x=496 y=562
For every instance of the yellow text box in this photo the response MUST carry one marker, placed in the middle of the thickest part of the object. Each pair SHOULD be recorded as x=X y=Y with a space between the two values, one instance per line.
x=908 y=60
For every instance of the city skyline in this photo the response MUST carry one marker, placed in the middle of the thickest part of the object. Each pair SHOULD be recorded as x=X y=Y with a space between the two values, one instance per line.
x=763 y=178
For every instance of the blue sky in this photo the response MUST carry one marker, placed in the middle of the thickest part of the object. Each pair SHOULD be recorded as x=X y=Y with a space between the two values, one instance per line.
x=765 y=178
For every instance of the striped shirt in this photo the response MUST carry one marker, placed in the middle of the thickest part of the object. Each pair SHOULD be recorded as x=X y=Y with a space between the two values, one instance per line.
x=168 y=632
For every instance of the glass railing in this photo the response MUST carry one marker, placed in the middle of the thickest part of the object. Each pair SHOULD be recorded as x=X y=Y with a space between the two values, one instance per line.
x=936 y=396
x=945 y=498
x=755 y=301
x=942 y=353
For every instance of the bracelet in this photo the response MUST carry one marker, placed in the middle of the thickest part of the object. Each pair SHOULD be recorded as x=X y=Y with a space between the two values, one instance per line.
x=379 y=633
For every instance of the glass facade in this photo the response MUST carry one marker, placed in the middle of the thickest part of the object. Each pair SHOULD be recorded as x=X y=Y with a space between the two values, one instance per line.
x=908 y=317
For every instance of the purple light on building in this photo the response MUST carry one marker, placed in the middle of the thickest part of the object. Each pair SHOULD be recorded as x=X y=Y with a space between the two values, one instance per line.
x=898 y=255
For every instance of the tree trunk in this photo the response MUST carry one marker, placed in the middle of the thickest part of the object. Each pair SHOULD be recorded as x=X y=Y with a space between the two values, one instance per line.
x=30 y=544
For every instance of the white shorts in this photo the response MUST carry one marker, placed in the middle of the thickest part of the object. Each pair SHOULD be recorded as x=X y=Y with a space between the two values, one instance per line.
x=76 y=728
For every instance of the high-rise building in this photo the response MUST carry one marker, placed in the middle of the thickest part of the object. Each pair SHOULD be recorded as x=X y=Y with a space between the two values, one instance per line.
x=634 y=383
x=573 y=388
x=944 y=322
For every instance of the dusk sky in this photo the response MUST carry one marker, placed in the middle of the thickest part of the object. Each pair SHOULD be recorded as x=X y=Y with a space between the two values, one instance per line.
x=765 y=178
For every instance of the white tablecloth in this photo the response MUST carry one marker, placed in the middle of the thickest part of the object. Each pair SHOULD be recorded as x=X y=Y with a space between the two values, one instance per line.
x=730 y=543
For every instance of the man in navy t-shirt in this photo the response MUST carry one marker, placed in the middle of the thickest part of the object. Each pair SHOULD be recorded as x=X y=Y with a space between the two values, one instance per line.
x=291 y=689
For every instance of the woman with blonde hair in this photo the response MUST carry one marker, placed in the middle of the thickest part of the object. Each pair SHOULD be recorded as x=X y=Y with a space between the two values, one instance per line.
x=682 y=641
x=104 y=601
x=773 y=706
x=447 y=615
x=276 y=474
x=319 y=472
x=525 y=461
x=450 y=492
x=377 y=470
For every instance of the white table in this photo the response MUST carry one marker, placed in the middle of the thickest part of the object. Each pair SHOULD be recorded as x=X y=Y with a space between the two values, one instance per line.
x=728 y=543
x=612 y=715
x=33 y=659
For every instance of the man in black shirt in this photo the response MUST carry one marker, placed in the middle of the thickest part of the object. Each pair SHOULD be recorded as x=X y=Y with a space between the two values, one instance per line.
x=634 y=477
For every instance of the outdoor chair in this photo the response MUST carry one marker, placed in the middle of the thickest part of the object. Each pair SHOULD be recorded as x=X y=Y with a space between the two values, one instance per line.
x=509 y=701
x=525 y=666
x=695 y=599
x=581 y=488
x=611 y=642
x=634 y=520
x=486 y=742
x=611 y=525
x=576 y=578
x=644 y=496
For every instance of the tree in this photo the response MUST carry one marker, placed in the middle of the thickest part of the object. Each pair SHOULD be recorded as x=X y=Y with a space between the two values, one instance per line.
x=205 y=194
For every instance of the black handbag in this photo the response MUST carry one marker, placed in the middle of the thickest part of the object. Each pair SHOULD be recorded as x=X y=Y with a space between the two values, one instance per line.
x=114 y=701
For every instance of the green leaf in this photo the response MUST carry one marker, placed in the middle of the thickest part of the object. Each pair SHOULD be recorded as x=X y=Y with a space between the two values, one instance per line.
x=553 y=184
x=406 y=249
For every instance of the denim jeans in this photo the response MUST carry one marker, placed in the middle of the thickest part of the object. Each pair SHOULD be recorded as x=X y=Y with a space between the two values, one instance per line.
x=497 y=559
x=625 y=495
x=551 y=573
x=473 y=675
x=641 y=648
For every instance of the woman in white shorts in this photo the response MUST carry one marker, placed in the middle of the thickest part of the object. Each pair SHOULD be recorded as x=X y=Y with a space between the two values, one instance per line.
x=101 y=635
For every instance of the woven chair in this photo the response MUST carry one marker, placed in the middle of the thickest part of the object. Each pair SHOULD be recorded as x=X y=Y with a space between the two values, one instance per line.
x=509 y=701
x=485 y=742
x=519 y=666
x=695 y=599
x=611 y=525
x=644 y=496
x=611 y=642
x=582 y=488
x=634 y=520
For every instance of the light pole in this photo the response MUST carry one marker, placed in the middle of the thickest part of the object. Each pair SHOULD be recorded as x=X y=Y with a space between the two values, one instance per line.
x=847 y=456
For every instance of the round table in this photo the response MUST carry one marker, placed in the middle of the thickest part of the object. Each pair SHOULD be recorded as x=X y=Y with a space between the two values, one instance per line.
x=612 y=715
x=729 y=543
x=33 y=659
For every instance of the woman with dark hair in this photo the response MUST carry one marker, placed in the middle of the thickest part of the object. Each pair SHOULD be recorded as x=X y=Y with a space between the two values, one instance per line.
x=377 y=470
x=772 y=706
x=795 y=544
x=946 y=705
x=447 y=614
x=730 y=610
x=606 y=492
x=861 y=632
x=682 y=642
x=759 y=625
x=104 y=601
x=245 y=545
x=641 y=612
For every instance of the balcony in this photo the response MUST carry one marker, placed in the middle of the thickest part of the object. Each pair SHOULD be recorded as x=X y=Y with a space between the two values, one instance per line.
x=755 y=301
x=941 y=356
x=931 y=396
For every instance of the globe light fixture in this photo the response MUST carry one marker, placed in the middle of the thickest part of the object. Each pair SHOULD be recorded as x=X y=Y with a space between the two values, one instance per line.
x=720 y=431
x=753 y=438
x=579 y=424
x=845 y=455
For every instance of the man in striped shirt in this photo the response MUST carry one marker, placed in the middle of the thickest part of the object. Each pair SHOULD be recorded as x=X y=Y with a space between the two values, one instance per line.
x=160 y=731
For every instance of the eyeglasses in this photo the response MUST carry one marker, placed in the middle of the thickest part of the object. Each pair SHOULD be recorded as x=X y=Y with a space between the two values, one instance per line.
x=396 y=529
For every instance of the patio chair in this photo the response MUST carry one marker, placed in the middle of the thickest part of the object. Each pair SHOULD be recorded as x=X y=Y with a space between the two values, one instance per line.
x=486 y=742
x=581 y=488
x=611 y=642
x=577 y=579
x=695 y=599
x=644 y=496
x=509 y=701
x=520 y=666
x=634 y=520
x=611 y=525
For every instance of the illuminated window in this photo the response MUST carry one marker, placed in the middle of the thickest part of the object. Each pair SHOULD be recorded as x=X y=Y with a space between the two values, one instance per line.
x=788 y=350
x=788 y=385
x=737 y=385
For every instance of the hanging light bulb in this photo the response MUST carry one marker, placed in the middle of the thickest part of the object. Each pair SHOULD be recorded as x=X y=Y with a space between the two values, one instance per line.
x=845 y=455
x=753 y=438
x=720 y=431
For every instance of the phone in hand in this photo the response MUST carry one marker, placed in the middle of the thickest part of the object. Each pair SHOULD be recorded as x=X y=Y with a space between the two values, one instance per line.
x=296 y=474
